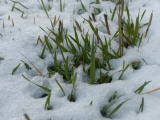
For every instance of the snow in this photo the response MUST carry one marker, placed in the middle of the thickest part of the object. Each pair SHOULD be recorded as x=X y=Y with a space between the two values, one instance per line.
x=18 y=96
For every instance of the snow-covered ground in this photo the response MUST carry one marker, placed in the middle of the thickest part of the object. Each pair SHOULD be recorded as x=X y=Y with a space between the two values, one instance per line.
x=19 y=34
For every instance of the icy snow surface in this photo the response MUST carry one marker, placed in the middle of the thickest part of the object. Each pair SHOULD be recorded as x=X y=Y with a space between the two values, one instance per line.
x=18 y=96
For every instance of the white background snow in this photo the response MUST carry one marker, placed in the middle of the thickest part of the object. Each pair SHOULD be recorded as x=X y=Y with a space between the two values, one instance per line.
x=18 y=96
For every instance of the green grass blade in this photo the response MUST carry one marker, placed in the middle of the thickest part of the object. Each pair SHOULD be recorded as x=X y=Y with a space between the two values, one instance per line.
x=77 y=38
x=144 y=61
x=15 y=69
x=93 y=29
x=67 y=69
x=60 y=46
x=42 y=87
x=60 y=86
x=73 y=82
x=73 y=48
x=83 y=7
x=143 y=15
x=77 y=42
x=47 y=103
x=123 y=70
x=135 y=35
x=113 y=14
x=128 y=14
x=92 y=64
x=43 y=51
x=141 y=107
x=26 y=65
x=61 y=6
x=44 y=8
x=112 y=97
x=122 y=7
x=97 y=2
x=140 y=89
x=117 y=108
x=74 y=79
x=71 y=96
x=48 y=44
x=22 y=5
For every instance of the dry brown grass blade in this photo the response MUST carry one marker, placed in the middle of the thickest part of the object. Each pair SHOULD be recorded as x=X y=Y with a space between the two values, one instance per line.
x=34 y=66
x=107 y=26
x=152 y=91
x=38 y=39
x=150 y=20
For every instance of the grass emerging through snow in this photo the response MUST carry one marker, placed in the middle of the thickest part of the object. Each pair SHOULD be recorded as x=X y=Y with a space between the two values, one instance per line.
x=74 y=55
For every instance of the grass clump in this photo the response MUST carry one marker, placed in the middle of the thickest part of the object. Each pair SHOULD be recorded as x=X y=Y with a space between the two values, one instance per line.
x=105 y=111
x=140 y=89
x=104 y=78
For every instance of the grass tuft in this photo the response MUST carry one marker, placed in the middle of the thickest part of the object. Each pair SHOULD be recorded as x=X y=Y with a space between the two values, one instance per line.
x=111 y=101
